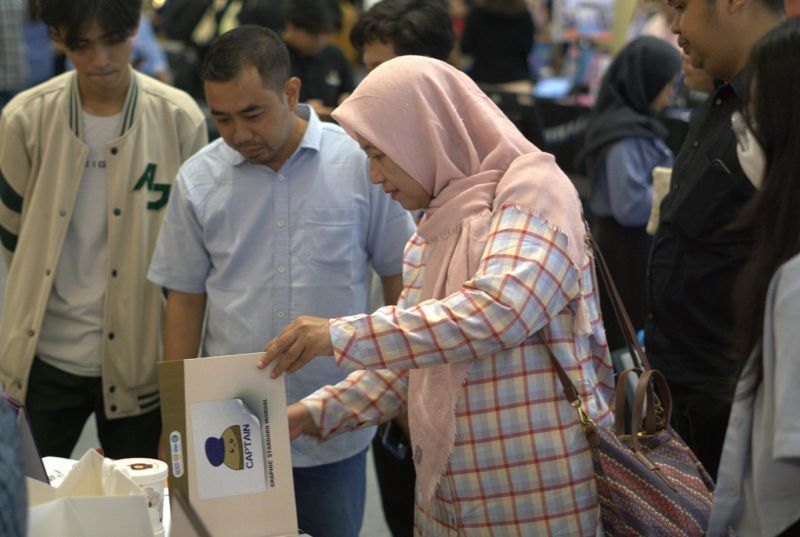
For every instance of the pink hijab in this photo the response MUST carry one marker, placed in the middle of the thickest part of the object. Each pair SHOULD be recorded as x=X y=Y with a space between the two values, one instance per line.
x=441 y=129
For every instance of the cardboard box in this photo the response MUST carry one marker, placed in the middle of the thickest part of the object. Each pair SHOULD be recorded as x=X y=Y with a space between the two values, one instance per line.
x=227 y=435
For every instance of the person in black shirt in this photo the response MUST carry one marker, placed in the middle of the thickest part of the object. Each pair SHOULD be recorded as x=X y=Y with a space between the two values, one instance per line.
x=325 y=71
x=698 y=249
x=498 y=35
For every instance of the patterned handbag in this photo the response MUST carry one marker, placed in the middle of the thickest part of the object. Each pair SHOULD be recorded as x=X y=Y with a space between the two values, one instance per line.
x=649 y=483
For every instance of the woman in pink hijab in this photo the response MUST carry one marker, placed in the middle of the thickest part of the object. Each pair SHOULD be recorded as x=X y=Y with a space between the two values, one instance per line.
x=496 y=279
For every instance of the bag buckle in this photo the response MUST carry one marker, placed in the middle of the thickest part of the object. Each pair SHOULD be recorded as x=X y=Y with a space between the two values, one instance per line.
x=587 y=423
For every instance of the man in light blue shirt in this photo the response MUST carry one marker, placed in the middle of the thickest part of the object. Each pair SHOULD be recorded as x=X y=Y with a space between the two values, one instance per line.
x=276 y=220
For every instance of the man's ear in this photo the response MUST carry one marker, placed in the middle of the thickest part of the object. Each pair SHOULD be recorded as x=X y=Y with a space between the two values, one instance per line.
x=57 y=38
x=291 y=89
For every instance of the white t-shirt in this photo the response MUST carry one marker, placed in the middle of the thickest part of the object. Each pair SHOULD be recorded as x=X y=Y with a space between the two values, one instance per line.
x=71 y=333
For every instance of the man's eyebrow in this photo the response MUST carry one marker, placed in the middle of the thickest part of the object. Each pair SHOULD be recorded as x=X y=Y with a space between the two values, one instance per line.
x=245 y=110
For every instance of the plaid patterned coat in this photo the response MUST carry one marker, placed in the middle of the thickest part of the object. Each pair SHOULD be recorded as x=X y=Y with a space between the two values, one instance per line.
x=520 y=465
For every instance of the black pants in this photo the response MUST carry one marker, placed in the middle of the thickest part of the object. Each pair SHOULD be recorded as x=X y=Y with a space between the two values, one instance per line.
x=701 y=418
x=396 y=480
x=59 y=405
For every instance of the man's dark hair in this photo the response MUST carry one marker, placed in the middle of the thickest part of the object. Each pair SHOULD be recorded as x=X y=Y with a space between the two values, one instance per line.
x=248 y=46
x=118 y=18
x=421 y=27
x=314 y=16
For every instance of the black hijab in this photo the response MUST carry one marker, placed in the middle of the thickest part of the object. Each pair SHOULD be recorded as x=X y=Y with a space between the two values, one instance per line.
x=636 y=76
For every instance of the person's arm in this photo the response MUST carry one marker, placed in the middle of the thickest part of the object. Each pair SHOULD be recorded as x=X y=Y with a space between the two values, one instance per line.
x=362 y=399
x=15 y=169
x=629 y=166
x=147 y=53
x=524 y=279
x=183 y=325
x=392 y=287
x=781 y=376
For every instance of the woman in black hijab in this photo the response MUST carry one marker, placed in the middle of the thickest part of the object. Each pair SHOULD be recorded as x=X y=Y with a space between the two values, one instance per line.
x=624 y=142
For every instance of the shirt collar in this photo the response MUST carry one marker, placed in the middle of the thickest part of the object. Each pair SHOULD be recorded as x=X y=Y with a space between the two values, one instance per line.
x=738 y=84
x=312 y=138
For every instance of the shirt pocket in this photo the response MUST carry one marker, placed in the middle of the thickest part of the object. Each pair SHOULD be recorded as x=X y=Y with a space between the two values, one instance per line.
x=715 y=201
x=331 y=240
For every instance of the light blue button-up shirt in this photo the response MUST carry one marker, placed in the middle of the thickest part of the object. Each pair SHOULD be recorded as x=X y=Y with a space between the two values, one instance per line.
x=267 y=247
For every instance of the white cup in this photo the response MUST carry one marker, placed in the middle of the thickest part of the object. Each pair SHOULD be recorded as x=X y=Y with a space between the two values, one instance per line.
x=150 y=475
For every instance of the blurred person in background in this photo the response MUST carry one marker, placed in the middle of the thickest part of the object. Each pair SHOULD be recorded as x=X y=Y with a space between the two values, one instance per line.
x=624 y=142
x=322 y=67
x=498 y=37
x=147 y=56
x=394 y=28
x=38 y=48
x=13 y=65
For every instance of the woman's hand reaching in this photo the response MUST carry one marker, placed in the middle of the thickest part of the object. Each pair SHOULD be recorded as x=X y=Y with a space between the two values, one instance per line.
x=297 y=344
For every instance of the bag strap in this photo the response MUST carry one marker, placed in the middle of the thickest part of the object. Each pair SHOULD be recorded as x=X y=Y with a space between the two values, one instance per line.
x=629 y=333
x=620 y=401
x=634 y=347
x=587 y=423
x=646 y=382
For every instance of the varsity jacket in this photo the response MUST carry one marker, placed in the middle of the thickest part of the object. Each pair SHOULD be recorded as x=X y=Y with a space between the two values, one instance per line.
x=42 y=162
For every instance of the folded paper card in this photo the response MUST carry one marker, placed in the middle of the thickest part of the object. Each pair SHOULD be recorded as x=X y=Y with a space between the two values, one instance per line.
x=94 y=499
x=228 y=440
x=661 y=180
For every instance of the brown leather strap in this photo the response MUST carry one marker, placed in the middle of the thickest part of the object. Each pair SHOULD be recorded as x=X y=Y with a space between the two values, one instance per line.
x=620 y=401
x=646 y=381
x=569 y=388
x=641 y=364
x=631 y=341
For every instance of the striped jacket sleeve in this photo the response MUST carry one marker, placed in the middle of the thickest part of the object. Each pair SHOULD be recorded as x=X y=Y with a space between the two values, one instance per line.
x=525 y=278
x=15 y=166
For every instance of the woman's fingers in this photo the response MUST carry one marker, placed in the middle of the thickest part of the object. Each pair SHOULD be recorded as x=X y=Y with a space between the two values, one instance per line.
x=289 y=357
x=297 y=344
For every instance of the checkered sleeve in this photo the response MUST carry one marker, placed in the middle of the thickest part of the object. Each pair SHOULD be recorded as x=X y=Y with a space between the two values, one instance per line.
x=364 y=398
x=524 y=279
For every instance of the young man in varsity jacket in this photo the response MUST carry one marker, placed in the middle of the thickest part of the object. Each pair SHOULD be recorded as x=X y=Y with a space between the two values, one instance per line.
x=87 y=161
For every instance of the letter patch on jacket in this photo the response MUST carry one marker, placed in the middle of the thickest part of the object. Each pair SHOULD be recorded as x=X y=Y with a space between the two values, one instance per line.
x=149 y=178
